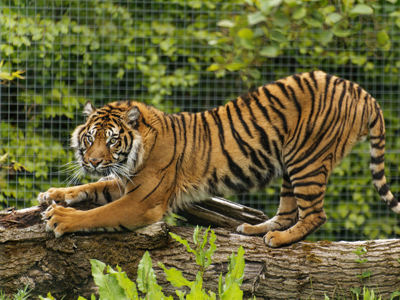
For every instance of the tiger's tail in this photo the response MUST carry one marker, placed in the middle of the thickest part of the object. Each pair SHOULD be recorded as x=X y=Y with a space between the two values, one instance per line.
x=376 y=126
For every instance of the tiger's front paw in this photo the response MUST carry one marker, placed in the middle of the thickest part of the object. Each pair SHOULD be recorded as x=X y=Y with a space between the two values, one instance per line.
x=246 y=229
x=61 y=219
x=62 y=195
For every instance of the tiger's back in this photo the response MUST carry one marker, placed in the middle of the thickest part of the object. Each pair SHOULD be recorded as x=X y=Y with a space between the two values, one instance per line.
x=299 y=127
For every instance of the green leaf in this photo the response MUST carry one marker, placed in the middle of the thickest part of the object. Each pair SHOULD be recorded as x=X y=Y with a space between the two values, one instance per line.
x=183 y=242
x=341 y=32
x=395 y=295
x=245 y=33
x=146 y=279
x=255 y=18
x=383 y=38
x=108 y=285
x=299 y=13
x=226 y=23
x=361 y=9
x=126 y=284
x=278 y=36
x=333 y=18
x=233 y=293
x=313 y=22
x=175 y=277
x=214 y=67
x=270 y=51
x=235 y=66
x=324 y=37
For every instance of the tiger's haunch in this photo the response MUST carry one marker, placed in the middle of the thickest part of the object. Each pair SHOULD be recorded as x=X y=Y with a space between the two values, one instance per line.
x=299 y=128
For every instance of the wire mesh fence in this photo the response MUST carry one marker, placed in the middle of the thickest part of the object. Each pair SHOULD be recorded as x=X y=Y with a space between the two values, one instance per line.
x=169 y=54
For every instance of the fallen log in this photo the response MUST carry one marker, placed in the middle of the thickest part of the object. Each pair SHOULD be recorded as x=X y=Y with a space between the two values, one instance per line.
x=30 y=256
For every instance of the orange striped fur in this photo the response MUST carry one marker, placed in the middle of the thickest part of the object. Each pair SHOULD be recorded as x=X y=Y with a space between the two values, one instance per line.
x=299 y=128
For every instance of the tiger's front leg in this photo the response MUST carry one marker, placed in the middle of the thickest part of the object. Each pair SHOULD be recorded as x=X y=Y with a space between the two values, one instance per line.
x=126 y=212
x=100 y=192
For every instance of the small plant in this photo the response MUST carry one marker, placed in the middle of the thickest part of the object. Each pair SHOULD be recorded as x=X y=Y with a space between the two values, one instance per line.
x=360 y=252
x=115 y=284
x=22 y=294
x=8 y=76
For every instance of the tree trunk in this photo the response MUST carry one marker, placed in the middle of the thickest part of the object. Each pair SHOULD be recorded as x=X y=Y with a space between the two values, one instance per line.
x=31 y=256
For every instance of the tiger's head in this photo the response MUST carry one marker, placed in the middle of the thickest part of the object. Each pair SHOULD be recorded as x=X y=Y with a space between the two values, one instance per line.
x=108 y=143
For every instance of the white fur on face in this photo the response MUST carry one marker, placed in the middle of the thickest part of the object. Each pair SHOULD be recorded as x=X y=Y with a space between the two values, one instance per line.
x=135 y=157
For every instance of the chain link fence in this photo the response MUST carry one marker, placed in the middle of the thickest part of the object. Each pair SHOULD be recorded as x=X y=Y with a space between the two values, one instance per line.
x=189 y=56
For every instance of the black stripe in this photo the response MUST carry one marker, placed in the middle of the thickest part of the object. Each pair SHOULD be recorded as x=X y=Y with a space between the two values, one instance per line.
x=377 y=159
x=155 y=188
x=107 y=194
x=393 y=203
x=301 y=183
x=282 y=88
x=214 y=113
x=262 y=108
x=378 y=175
x=174 y=133
x=134 y=189
x=239 y=113
x=267 y=161
x=124 y=228
x=287 y=212
x=383 y=190
x=206 y=134
x=311 y=206
x=298 y=81
x=309 y=197
x=272 y=98
x=234 y=186
x=194 y=132
x=264 y=141
x=313 y=212
x=373 y=123
x=312 y=75
x=282 y=117
x=287 y=194
x=378 y=146
x=238 y=139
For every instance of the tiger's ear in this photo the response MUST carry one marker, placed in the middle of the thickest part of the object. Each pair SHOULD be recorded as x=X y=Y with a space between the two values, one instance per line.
x=88 y=109
x=133 y=115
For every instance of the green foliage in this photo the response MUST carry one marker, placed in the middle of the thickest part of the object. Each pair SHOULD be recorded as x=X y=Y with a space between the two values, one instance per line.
x=228 y=287
x=310 y=33
x=23 y=294
x=116 y=285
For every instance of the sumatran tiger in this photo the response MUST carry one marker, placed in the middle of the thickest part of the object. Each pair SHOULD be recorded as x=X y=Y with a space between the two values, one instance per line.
x=298 y=127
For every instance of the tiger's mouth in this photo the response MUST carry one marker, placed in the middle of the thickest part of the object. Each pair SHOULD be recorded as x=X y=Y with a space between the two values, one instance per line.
x=116 y=170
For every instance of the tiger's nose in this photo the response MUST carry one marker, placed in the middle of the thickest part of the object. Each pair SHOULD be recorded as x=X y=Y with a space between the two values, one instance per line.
x=95 y=162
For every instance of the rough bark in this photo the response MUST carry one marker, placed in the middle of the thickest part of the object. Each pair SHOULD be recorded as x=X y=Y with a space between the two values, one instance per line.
x=30 y=256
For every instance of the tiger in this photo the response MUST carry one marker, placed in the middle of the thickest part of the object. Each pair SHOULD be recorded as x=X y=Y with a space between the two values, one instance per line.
x=151 y=162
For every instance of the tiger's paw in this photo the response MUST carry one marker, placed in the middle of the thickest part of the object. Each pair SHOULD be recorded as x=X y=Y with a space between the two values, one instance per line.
x=246 y=229
x=61 y=195
x=61 y=219
x=275 y=239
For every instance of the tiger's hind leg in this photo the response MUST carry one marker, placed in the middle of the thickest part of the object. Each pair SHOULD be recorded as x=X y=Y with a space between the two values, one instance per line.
x=309 y=196
x=285 y=217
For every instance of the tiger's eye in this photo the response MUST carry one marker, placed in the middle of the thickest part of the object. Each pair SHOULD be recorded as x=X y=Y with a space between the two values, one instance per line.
x=113 y=141
x=90 y=139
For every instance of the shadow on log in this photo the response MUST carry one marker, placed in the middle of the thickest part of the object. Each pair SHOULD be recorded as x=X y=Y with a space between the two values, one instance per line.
x=31 y=256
